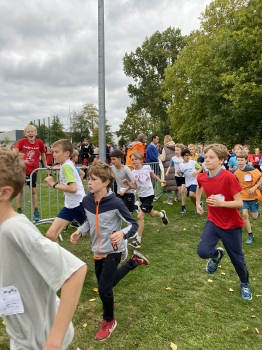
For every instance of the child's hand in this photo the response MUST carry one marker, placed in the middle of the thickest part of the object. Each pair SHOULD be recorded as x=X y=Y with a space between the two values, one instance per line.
x=122 y=193
x=163 y=181
x=125 y=181
x=199 y=209
x=252 y=190
x=49 y=180
x=117 y=237
x=213 y=201
x=75 y=236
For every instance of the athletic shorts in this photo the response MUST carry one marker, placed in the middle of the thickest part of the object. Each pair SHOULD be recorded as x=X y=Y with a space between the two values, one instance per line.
x=146 y=203
x=191 y=188
x=33 y=180
x=251 y=205
x=70 y=214
x=129 y=200
x=180 y=180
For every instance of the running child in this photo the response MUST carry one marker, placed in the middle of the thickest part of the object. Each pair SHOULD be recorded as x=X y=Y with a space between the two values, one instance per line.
x=71 y=185
x=189 y=169
x=175 y=162
x=105 y=212
x=32 y=148
x=32 y=270
x=250 y=179
x=224 y=221
x=123 y=172
x=142 y=174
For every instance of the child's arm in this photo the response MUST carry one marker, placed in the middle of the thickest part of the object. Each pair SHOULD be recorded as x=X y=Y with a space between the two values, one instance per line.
x=256 y=186
x=237 y=203
x=199 y=191
x=70 y=294
x=157 y=178
x=71 y=187
x=44 y=160
x=124 y=190
x=168 y=169
x=198 y=168
x=130 y=184
x=81 y=174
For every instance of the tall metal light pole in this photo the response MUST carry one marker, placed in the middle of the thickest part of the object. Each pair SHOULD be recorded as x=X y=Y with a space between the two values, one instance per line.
x=101 y=82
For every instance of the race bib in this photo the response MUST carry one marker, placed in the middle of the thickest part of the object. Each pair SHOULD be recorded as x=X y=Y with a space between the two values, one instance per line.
x=10 y=301
x=248 y=177
x=220 y=197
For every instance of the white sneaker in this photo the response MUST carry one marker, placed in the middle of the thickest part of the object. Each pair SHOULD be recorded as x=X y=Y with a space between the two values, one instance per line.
x=137 y=206
x=124 y=252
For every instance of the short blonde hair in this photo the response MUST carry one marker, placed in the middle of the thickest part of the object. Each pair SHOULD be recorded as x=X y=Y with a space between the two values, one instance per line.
x=75 y=153
x=239 y=146
x=220 y=150
x=66 y=146
x=30 y=126
x=191 y=145
x=242 y=154
x=103 y=171
x=167 y=139
x=12 y=168
x=180 y=145
x=138 y=155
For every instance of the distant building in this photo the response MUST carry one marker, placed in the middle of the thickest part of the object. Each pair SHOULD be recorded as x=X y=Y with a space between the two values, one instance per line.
x=10 y=137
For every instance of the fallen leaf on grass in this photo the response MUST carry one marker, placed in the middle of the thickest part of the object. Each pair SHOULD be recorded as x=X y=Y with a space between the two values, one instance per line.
x=257 y=331
x=215 y=312
x=209 y=280
x=95 y=290
x=173 y=346
x=168 y=288
x=219 y=266
x=222 y=273
x=245 y=329
x=259 y=295
x=251 y=309
x=253 y=316
x=84 y=325
x=231 y=290
x=92 y=299
x=184 y=229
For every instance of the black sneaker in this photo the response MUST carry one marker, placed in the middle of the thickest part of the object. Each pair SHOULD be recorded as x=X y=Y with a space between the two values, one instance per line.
x=164 y=218
x=66 y=229
x=135 y=244
x=74 y=224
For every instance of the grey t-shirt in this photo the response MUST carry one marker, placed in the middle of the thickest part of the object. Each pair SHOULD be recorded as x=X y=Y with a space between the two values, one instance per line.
x=38 y=268
x=121 y=174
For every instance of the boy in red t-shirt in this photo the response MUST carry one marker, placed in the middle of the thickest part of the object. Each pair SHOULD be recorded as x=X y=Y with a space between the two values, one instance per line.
x=32 y=149
x=224 y=221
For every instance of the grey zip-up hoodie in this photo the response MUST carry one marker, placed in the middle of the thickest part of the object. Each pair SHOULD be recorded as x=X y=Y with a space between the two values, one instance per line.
x=103 y=218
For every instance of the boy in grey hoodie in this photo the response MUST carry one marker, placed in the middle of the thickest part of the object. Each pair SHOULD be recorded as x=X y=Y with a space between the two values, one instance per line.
x=105 y=212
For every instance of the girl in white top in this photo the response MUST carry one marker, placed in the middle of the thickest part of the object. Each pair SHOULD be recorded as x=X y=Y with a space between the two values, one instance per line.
x=142 y=175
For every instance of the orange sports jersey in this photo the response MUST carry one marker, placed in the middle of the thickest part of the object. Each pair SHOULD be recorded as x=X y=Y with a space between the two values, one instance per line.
x=247 y=179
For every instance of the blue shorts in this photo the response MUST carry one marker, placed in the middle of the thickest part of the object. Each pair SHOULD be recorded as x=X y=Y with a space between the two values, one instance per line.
x=251 y=205
x=71 y=214
x=191 y=188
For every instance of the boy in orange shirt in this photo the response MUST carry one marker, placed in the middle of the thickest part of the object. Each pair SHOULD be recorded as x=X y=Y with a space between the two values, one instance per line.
x=250 y=179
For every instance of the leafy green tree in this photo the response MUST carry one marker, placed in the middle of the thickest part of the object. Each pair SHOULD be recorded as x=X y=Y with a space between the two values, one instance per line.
x=57 y=130
x=214 y=87
x=95 y=136
x=147 y=66
x=137 y=122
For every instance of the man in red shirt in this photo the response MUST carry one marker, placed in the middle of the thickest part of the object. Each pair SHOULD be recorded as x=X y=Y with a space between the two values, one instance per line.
x=32 y=149
x=224 y=221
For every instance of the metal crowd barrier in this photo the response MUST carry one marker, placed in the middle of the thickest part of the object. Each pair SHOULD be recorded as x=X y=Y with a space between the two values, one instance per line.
x=51 y=201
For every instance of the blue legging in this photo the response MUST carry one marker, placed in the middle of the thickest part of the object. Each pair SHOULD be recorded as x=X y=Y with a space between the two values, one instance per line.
x=232 y=240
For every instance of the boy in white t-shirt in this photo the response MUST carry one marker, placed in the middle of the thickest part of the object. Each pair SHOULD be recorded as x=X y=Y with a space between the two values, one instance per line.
x=142 y=174
x=189 y=169
x=180 y=180
x=32 y=270
x=71 y=185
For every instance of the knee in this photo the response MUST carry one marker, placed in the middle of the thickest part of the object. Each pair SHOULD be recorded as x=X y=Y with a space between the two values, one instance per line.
x=245 y=216
x=51 y=235
x=203 y=252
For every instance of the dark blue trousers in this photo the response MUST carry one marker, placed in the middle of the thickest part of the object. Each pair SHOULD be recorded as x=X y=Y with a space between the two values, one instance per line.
x=232 y=240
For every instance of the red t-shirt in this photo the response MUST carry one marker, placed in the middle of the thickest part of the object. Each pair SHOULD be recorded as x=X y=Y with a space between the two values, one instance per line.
x=32 y=152
x=225 y=185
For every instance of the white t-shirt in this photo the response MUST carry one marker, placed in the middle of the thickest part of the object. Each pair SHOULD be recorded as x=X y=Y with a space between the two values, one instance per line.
x=143 y=181
x=38 y=268
x=175 y=162
x=187 y=169
x=68 y=173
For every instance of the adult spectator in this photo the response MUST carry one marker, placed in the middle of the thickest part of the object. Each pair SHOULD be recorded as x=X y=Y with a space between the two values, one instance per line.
x=86 y=150
x=168 y=152
x=152 y=156
x=137 y=145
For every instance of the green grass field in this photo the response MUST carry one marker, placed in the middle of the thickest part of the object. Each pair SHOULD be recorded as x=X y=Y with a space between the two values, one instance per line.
x=173 y=299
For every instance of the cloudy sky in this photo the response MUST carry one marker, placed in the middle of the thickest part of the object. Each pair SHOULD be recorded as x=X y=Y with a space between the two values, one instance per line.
x=48 y=53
